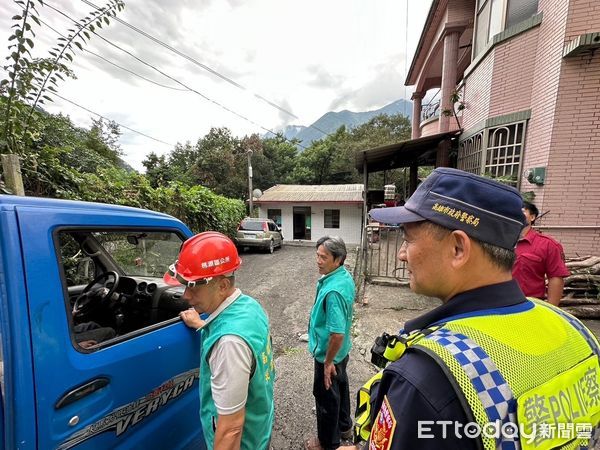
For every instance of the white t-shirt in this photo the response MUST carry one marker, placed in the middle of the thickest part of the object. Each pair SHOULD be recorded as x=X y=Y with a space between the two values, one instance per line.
x=231 y=362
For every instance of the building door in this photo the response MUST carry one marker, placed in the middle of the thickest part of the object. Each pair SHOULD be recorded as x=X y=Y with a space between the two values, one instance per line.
x=302 y=223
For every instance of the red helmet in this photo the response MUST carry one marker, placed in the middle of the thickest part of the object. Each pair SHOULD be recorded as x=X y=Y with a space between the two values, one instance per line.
x=203 y=257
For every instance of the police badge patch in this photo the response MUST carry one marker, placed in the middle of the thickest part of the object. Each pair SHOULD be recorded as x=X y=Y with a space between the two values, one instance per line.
x=383 y=429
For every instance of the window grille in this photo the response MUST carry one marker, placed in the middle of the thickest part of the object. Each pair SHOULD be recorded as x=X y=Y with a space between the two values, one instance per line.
x=332 y=218
x=496 y=152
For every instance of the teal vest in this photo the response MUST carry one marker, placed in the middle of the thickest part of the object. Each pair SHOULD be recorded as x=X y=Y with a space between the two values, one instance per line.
x=244 y=318
x=339 y=281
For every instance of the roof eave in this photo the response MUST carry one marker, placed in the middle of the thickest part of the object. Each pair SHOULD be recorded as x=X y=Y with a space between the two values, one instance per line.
x=409 y=81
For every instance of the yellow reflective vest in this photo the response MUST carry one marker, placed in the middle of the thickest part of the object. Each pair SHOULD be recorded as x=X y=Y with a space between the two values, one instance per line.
x=528 y=380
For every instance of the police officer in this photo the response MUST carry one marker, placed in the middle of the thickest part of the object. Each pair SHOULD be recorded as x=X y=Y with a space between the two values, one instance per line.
x=236 y=361
x=488 y=368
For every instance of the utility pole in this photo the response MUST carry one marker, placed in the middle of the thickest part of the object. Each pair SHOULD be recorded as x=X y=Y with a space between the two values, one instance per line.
x=11 y=166
x=249 y=153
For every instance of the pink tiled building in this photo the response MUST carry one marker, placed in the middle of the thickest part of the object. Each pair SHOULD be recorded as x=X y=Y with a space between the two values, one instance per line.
x=528 y=75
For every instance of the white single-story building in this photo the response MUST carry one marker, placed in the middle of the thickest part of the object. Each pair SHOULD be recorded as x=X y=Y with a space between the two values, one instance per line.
x=306 y=213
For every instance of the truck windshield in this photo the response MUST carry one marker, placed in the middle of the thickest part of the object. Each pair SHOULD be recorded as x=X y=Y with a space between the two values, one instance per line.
x=146 y=254
x=135 y=253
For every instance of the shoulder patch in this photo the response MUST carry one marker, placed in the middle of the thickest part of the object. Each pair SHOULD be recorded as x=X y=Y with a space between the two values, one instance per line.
x=384 y=427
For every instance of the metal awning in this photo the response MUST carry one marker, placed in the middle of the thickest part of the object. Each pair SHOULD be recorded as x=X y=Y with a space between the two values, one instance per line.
x=415 y=152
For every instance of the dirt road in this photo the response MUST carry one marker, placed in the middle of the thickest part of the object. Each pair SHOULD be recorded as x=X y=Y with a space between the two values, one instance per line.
x=284 y=283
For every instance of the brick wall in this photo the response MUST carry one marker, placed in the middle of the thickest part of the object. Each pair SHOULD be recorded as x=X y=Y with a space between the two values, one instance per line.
x=503 y=82
x=546 y=81
x=572 y=190
x=575 y=242
x=512 y=79
x=461 y=10
x=584 y=17
x=565 y=127
x=477 y=91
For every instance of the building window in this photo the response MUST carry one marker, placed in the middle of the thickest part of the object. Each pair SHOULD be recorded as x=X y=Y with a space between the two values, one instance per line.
x=332 y=218
x=495 y=152
x=494 y=16
x=274 y=215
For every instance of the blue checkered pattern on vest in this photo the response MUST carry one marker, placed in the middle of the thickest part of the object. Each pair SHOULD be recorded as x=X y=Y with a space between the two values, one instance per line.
x=493 y=390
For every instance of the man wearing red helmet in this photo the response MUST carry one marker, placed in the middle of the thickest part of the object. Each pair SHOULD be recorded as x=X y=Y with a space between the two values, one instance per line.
x=236 y=359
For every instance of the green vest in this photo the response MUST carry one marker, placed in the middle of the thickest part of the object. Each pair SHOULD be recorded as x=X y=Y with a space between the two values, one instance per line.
x=244 y=318
x=536 y=367
x=341 y=282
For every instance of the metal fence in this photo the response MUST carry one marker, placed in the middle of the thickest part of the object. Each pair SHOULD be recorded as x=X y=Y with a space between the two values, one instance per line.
x=383 y=243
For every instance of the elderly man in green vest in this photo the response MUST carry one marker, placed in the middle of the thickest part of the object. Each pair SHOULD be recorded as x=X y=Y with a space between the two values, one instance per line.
x=236 y=360
x=329 y=343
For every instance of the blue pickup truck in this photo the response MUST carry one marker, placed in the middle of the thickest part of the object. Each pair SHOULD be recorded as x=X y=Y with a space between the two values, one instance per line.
x=93 y=354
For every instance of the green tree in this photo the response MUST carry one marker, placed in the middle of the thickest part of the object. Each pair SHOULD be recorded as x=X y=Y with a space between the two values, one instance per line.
x=157 y=170
x=30 y=81
x=379 y=131
x=218 y=156
x=275 y=163
x=179 y=162
x=103 y=139
x=326 y=161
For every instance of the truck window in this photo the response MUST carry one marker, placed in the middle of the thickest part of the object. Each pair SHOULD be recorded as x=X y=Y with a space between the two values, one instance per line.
x=113 y=283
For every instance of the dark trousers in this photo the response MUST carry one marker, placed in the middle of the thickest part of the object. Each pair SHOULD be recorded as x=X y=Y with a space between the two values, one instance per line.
x=333 y=405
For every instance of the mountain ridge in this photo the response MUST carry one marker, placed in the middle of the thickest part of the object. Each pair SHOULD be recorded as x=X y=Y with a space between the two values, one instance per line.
x=332 y=120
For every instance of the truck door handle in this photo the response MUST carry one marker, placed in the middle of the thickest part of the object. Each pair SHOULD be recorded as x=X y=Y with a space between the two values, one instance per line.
x=81 y=391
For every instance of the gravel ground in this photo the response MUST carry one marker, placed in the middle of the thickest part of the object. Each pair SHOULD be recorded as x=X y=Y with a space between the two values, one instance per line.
x=284 y=283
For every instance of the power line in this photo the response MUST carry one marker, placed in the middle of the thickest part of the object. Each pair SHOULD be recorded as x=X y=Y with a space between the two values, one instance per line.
x=115 y=64
x=174 y=79
x=106 y=118
x=194 y=61
x=203 y=66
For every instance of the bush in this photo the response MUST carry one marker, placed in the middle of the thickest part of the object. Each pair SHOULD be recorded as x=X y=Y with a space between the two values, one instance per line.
x=198 y=207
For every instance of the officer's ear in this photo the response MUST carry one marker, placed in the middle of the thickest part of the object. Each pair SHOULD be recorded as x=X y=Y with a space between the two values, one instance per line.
x=461 y=250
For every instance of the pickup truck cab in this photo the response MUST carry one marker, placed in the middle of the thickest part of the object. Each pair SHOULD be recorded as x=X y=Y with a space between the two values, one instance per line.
x=93 y=353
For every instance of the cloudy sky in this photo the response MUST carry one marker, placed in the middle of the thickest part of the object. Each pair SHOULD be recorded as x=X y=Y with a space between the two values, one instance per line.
x=306 y=57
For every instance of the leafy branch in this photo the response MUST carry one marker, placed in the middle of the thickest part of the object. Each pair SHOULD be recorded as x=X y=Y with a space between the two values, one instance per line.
x=22 y=29
x=64 y=48
x=31 y=81
x=457 y=106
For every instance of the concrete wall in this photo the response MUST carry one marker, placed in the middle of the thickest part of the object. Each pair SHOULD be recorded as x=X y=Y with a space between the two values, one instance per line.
x=350 y=220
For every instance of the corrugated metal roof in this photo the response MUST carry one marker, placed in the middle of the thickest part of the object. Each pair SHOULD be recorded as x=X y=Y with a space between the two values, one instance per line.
x=313 y=193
